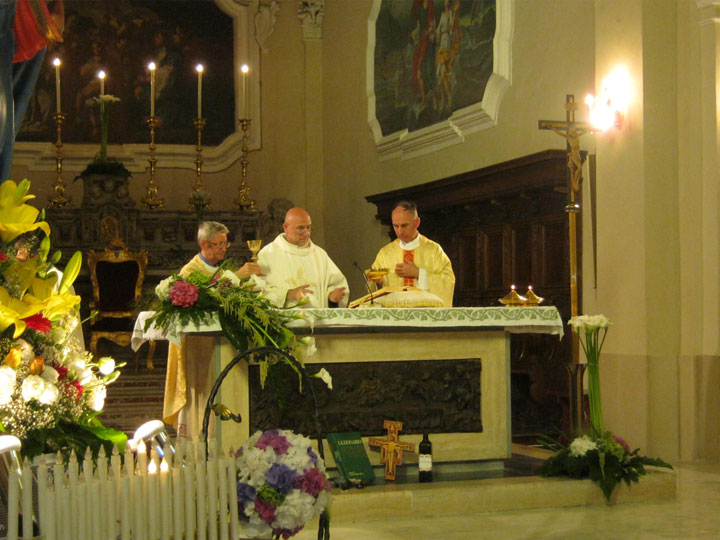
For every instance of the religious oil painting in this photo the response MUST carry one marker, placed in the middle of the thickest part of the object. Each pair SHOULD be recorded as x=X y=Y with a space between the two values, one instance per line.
x=121 y=37
x=432 y=57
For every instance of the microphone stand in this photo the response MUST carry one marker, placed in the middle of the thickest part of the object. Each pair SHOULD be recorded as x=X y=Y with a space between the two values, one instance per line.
x=366 y=281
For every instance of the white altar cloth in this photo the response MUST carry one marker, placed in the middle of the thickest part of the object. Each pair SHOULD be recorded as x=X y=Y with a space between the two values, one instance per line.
x=543 y=320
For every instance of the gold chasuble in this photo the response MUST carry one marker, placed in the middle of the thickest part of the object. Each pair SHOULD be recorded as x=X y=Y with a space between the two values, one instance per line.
x=188 y=384
x=436 y=274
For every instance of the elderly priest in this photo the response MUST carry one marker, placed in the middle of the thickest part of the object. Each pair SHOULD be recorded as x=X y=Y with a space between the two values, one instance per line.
x=188 y=384
x=413 y=260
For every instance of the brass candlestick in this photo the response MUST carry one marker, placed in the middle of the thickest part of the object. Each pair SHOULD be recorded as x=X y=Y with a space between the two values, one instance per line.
x=59 y=200
x=199 y=198
x=254 y=247
x=151 y=201
x=244 y=201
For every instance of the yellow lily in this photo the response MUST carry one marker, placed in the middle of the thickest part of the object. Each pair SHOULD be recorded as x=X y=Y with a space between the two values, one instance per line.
x=12 y=311
x=16 y=217
x=55 y=305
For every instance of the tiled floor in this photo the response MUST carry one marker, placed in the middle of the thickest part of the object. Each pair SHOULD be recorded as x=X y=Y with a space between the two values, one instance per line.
x=693 y=515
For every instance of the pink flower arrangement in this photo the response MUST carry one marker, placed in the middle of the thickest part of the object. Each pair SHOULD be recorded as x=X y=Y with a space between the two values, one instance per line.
x=183 y=294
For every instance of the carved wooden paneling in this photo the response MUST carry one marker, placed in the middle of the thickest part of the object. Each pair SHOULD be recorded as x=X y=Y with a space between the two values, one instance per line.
x=501 y=225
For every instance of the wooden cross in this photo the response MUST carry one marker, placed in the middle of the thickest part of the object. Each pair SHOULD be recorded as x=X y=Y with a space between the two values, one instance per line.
x=391 y=449
x=571 y=131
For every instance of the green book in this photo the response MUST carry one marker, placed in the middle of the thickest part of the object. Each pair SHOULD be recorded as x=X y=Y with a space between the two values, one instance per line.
x=350 y=456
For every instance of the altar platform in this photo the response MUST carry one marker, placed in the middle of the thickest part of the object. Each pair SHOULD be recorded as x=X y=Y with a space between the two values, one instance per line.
x=511 y=502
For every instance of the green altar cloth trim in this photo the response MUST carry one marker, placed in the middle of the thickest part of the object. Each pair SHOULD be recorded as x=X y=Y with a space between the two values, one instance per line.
x=542 y=320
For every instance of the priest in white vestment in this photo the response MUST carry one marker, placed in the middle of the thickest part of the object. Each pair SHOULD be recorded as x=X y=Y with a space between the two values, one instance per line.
x=295 y=269
x=413 y=260
x=188 y=380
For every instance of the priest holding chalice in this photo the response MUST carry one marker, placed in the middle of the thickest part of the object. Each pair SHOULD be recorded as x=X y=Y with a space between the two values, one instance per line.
x=413 y=261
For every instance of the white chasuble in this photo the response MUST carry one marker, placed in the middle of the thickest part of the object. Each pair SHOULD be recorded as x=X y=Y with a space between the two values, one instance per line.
x=436 y=273
x=286 y=266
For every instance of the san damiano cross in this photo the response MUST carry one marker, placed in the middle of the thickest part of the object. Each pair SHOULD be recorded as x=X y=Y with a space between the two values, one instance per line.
x=391 y=449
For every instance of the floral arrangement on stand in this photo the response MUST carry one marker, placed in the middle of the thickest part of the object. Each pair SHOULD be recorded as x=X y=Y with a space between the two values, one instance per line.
x=51 y=389
x=281 y=484
x=247 y=318
x=603 y=457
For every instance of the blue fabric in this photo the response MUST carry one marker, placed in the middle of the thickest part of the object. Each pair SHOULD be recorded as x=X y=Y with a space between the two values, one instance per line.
x=17 y=83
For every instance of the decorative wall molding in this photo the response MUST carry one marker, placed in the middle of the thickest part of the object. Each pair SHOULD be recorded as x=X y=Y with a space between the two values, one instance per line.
x=265 y=20
x=41 y=156
x=310 y=13
x=405 y=144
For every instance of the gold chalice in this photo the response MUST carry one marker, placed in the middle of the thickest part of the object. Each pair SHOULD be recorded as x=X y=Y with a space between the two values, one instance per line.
x=254 y=247
x=376 y=273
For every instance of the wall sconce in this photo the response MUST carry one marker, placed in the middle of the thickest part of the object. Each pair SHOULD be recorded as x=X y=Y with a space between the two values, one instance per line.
x=608 y=110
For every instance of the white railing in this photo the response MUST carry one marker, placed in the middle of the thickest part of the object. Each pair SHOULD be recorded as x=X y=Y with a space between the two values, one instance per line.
x=142 y=496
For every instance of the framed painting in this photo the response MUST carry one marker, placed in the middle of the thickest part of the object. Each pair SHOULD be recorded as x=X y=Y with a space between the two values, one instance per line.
x=436 y=71
x=121 y=38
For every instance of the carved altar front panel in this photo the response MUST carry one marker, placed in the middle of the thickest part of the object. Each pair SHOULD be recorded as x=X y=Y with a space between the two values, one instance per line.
x=425 y=395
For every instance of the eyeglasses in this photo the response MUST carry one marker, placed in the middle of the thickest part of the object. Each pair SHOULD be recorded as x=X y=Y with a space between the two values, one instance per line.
x=220 y=244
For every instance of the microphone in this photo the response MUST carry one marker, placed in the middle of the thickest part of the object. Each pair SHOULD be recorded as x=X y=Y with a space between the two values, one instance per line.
x=366 y=281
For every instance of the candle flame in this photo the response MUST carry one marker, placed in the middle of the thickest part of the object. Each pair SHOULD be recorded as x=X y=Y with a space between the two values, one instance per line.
x=199 y=68
x=151 y=66
x=141 y=448
x=244 y=68
x=56 y=61
x=152 y=467
x=164 y=465
x=101 y=74
x=512 y=287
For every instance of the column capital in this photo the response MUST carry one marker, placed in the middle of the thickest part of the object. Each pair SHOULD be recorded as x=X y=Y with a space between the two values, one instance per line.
x=310 y=13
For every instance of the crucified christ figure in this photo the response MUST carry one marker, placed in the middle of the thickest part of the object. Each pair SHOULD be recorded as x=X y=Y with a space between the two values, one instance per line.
x=574 y=158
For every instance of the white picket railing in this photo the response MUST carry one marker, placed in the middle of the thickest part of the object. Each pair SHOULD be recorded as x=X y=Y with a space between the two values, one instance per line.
x=143 y=497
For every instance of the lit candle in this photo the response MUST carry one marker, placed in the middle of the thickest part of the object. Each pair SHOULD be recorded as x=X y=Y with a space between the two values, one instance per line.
x=199 y=69
x=57 y=63
x=139 y=509
x=151 y=67
x=245 y=69
x=153 y=508
x=165 y=506
x=101 y=76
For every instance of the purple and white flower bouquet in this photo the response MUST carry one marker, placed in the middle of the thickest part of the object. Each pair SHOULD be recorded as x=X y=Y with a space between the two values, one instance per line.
x=281 y=484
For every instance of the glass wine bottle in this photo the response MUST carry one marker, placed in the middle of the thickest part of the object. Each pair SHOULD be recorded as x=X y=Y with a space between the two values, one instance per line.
x=425 y=460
